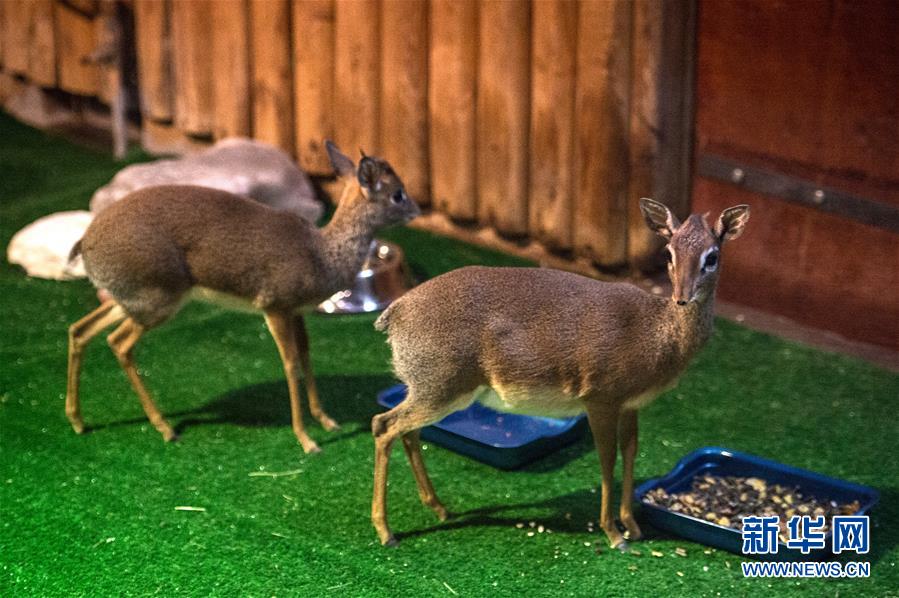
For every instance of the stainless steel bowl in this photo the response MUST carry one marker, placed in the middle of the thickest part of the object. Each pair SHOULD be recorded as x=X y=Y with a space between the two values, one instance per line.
x=383 y=277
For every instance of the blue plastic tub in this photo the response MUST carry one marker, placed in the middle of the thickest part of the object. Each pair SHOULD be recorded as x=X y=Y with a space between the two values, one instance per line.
x=724 y=462
x=503 y=440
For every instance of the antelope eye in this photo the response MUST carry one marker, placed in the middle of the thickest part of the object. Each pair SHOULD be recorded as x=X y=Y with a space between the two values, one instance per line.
x=398 y=196
x=711 y=260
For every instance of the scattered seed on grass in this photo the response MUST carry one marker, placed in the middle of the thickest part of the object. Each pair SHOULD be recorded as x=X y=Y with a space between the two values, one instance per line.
x=540 y=529
x=632 y=567
x=680 y=551
x=705 y=567
x=727 y=564
x=197 y=509
x=274 y=474
x=636 y=553
x=680 y=573
x=276 y=534
x=452 y=591
x=103 y=541
x=519 y=525
x=656 y=553
x=530 y=534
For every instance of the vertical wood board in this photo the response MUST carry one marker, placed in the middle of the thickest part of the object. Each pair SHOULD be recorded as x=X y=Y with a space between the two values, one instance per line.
x=313 y=57
x=152 y=39
x=553 y=64
x=192 y=65
x=503 y=115
x=404 y=93
x=452 y=104
x=75 y=40
x=602 y=108
x=272 y=73
x=357 y=77
x=231 y=69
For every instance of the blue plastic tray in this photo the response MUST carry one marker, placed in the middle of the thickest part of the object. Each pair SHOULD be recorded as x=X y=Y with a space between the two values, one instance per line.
x=724 y=462
x=503 y=440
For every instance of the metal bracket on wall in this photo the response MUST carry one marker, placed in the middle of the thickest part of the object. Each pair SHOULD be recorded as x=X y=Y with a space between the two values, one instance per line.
x=800 y=191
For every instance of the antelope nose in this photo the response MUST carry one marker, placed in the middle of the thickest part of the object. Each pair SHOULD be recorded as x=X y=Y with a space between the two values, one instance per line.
x=681 y=302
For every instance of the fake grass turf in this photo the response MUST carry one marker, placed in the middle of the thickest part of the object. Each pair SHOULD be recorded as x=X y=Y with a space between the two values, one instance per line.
x=96 y=514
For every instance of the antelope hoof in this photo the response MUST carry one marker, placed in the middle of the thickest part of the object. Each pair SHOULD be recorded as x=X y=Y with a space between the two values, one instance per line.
x=77 y=424
x=329 y=424
x=633 y=532
x=441 y=512
x=310 y=448
x=390 y=541
x=163 y=427
x=615 y=537
x=623 y=547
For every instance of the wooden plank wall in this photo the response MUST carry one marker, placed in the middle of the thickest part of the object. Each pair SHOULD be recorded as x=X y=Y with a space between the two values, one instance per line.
x=541 y=119
x=452 y=97
x=828 y=115
x=152 y=31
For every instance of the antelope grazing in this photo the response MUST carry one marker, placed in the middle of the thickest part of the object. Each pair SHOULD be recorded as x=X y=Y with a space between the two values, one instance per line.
x=161 y=246
x=551 y=343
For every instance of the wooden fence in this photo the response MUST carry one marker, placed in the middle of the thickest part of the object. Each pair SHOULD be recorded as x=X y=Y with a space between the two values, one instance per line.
x=544 y=120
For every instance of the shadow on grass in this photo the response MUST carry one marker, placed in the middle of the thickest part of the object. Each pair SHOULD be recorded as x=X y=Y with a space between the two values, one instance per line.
x=571 y=512
x=345 y=398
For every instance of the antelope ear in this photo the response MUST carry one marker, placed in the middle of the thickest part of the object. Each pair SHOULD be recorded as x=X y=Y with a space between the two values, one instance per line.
x=659 y=218
x=343 y=166
x=370 y=171
x=731 y=223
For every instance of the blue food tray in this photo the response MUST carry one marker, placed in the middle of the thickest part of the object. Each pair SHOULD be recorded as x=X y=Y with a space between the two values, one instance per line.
x=719 y=461
x=503 y=440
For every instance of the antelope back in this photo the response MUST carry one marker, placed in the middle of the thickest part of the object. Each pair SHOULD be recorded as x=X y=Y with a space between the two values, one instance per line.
x=524 y=328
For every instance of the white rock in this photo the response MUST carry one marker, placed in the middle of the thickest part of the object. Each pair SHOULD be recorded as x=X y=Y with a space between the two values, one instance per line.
x=239 y=165
x=43 y=247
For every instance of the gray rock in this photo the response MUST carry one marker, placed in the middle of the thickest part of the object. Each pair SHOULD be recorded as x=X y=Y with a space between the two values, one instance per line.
x=239 y=165
x=42 y=248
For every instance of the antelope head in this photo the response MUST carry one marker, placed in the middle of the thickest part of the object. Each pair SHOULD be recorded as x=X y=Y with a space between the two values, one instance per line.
x=693 y=247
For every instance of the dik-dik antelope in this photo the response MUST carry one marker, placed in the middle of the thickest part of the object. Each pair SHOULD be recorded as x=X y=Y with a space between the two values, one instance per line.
x=551 y=343
x=163 y=245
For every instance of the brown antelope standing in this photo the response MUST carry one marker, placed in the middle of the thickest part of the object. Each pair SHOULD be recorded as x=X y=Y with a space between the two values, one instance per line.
x=163 y=245
x=551 y=343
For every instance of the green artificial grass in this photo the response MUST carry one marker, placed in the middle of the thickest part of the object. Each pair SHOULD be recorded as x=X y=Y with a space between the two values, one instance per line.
x=96 y=514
